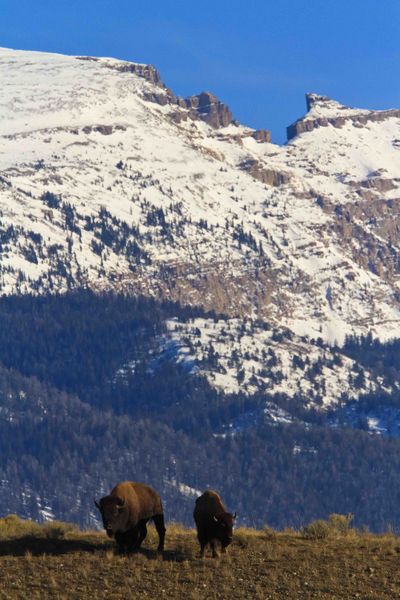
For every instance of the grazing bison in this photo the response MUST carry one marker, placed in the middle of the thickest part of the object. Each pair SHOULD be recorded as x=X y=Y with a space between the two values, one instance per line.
x=126 y=511
x=213 y=522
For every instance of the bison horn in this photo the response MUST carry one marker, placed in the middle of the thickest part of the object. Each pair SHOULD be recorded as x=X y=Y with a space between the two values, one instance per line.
x=96 y=503
x=215 y=519
x=121 y=502
x=235 y=516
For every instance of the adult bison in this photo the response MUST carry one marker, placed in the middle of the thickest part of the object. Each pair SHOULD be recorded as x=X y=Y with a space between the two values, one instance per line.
x=126 y=511
x=213 y=522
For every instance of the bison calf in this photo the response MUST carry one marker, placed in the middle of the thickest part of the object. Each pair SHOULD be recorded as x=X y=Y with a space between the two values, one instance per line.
x=126 y=511
x=213 y=523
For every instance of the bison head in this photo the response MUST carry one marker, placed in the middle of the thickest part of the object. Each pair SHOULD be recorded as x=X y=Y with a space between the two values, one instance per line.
x=112 y=513
x=224 y=525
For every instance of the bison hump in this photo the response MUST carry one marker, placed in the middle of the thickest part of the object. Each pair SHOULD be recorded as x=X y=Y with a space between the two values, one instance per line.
x=141 y=500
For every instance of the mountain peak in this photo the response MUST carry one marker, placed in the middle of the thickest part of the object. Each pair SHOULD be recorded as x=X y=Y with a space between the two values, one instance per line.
x=318 y=102
x=110 y=181
x=210 y=109
x=323 y=111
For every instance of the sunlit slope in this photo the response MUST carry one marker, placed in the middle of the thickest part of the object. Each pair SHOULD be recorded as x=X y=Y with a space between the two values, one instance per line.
x=108 y=180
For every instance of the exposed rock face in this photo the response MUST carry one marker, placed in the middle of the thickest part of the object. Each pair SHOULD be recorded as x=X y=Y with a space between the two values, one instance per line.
x=205 y=106
x=162 y=97
x=353 y=223
x=159 y=93
x=262 y=135
x=315 y=99
x=316 y=103
x=148 y=72
x=103 y=129
x=209 y=109
x=378 y=183
x=268 y=176
x=204 y=216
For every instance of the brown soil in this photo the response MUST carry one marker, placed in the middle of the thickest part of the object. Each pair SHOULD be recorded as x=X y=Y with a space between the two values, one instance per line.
x=260 y=564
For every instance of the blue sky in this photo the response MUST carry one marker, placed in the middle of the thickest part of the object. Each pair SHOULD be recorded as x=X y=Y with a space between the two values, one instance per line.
x=258 y=56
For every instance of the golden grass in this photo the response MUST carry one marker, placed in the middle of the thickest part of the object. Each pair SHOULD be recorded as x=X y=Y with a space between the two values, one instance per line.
x=336 y=525
x=14 y=526
x=58 y=561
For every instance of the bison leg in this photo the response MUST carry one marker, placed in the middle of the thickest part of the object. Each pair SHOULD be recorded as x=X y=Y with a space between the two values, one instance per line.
x=142 y=533
x=120 y=538
x=203 y=543
x=132 y=537
x=160 y=527
x=213 y=549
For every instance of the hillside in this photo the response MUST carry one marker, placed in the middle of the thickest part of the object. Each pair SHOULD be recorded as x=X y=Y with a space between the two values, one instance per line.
x=73 y=422
x=55 y=562
x=169 y=274
x=111 y=181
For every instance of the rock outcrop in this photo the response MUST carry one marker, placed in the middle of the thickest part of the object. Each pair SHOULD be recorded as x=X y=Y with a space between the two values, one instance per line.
x=358 y=118
x=102 y=190
x=205 y=106
x=262 y=135
x=208 y=108
x=267 y=176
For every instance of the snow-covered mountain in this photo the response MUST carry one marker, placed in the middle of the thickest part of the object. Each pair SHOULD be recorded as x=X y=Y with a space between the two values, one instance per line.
x=109 y=180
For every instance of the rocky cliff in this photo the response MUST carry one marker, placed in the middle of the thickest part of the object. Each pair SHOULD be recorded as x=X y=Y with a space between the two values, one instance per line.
x=323 y=112
x=104 y=186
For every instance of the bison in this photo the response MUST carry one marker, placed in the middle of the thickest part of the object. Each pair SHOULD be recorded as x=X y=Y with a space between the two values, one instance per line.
x=126 y=511
x=213 y=522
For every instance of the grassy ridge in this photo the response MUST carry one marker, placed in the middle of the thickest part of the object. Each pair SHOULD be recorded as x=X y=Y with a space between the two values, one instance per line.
x=326 y=560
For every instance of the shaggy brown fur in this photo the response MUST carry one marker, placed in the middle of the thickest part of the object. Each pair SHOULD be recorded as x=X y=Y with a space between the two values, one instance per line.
x=213 y=522
x=126 y=511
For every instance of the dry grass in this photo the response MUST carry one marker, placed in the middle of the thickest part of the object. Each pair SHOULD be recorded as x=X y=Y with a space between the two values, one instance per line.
x=335 y=526
x=57 y=561
x=14 y=527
